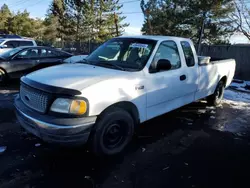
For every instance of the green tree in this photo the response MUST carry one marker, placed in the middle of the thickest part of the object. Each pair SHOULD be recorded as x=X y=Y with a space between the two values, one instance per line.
x=107 y=18
x=50 y=31
x=87 y=20
x=5 y=16
x=21 y=24
x=60 y=13
x=38 y=29
x=185 y=18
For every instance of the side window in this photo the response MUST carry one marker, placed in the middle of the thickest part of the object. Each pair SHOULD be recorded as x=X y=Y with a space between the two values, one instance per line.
x=51 y=53
x=12 y=44
x=32 y=53
x=26 y=43
x=43 y=53
x=188 y=53
x=168 y=50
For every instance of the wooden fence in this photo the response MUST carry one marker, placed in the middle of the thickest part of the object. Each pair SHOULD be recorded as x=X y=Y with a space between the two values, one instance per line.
x=241 y=53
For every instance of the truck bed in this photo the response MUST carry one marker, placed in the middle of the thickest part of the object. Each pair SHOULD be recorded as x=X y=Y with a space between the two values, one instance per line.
x=211 y=70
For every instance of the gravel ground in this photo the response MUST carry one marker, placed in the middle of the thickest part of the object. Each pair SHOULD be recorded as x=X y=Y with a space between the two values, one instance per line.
x=194 y=146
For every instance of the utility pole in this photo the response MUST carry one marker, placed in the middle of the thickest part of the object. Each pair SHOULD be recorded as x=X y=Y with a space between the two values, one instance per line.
x=201 y=33
x=116 y=24
x=150 y=32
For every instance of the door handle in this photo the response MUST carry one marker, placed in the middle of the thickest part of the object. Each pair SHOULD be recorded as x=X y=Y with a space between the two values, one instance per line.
x=183 y=77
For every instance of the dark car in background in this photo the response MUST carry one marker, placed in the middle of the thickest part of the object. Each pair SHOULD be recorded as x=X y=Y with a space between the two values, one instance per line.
x=22 y=60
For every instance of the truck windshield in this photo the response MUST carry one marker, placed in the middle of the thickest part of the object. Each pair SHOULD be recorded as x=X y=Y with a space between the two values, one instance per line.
x=123 y=53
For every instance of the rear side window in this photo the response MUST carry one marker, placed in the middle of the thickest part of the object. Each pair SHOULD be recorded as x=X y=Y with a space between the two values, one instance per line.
x=49 y=53
x=26 y=43
x=52 y=53
x=188 y=53
x=12 y=44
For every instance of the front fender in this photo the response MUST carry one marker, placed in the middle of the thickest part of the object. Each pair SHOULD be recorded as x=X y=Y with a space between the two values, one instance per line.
x=109 y=92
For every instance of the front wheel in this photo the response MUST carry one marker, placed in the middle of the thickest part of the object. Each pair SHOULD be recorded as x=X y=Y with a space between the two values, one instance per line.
x=114 y=130
x=216 y=98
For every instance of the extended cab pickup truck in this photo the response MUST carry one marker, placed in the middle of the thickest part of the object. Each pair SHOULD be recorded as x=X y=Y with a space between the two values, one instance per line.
x=124 y=82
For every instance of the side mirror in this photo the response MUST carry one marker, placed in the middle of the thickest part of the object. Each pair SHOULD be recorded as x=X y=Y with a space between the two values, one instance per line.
x=163 y=64
x=4 y=46
x=203 y=60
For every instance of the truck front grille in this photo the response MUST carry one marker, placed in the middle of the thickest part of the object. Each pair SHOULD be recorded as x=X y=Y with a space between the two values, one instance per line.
x=34 y=98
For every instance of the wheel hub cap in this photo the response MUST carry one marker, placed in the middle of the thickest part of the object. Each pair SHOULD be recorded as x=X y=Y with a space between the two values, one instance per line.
x=113 y=136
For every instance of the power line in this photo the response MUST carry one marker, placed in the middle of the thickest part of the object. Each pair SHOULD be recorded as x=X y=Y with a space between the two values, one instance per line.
x=14 y=3
x=18 y=3
x=132 y=13
x=125 y=2
x=28 y=6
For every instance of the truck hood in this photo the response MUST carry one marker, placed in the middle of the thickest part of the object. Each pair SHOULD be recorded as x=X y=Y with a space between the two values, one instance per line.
x=73 y=76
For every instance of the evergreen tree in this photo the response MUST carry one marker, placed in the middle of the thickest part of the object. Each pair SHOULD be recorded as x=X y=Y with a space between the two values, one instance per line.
x=185 y=18
x=21 y=24
x=88 y=20
x=5 y=16
x=51 y=31
x=60 y=12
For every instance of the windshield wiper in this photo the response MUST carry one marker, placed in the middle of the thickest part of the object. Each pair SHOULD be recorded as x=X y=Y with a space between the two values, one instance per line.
x=85 y=61
x=109 y=64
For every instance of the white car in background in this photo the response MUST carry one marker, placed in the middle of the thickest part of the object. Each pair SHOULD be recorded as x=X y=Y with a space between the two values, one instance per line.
x=10 y=43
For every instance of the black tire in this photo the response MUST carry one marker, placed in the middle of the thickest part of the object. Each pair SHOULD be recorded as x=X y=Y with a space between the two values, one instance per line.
x=216 y=98
x=3 y=77
x=114 y=130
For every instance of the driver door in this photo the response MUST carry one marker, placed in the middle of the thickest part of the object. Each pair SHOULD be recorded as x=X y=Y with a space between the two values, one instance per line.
x=23 y=62
x=165 y=89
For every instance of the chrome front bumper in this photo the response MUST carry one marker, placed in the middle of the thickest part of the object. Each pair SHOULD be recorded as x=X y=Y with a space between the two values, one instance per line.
x=75 y=131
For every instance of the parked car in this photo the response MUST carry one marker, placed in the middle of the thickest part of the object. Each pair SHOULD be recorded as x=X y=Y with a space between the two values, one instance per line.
x=126 y=81
x=10 y=43
x=22 y=60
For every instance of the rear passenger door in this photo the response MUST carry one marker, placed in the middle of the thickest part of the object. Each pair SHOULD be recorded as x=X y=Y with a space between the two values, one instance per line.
x=49 y=57
x=191 y=67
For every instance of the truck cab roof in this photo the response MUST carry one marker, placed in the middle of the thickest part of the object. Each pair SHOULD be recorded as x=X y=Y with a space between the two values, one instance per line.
x=156 y=37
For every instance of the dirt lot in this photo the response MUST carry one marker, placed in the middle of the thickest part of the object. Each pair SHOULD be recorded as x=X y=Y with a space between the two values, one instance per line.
x=195 y=146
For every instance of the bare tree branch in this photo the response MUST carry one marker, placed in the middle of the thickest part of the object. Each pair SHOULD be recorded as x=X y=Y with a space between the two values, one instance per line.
x=241 y=18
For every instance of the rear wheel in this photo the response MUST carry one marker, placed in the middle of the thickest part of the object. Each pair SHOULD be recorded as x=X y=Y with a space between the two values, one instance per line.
x=114 y=130
x=3 y=76
x=216 y=98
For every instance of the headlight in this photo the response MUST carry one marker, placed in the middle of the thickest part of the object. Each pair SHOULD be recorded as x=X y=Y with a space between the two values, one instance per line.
x=69 y=106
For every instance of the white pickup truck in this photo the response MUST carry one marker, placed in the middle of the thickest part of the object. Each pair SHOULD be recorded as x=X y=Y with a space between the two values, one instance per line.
x=126 y=81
